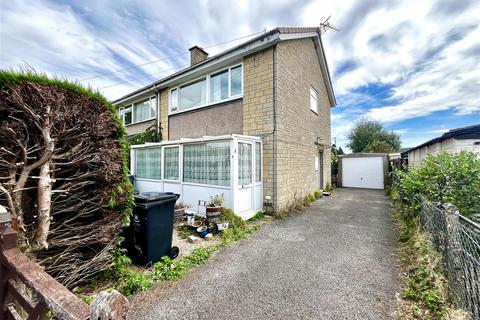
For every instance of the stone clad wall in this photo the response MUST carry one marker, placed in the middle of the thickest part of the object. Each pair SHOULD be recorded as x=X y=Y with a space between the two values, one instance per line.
x=164 y=113
x=298 y=68
x=258 y=109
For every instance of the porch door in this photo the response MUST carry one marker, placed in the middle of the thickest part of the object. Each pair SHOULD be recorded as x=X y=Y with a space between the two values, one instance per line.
x=244 y=200
x=320 y=167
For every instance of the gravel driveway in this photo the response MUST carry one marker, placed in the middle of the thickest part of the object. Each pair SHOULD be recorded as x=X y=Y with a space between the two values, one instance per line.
x=334 y=261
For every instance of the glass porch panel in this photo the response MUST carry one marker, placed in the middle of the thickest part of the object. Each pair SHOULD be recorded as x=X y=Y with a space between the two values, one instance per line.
x=148 y=163
x=207 y=163
x=170 y=163
x=244 y=163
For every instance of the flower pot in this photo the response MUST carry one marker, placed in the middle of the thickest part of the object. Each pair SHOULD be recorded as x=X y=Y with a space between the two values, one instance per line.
x=197 y=224
x=202 y=231
x=213 y=213
x=178 y=214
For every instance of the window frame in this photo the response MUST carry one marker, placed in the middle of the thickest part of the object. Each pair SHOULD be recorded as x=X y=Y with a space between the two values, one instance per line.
x=131 y=106
x=205 y=143
x=207 y=88
x=312 y=89
x=164 y=166
x=160 y=164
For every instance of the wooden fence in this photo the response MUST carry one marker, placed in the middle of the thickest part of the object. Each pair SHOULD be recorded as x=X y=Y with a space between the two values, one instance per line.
x=28 y=292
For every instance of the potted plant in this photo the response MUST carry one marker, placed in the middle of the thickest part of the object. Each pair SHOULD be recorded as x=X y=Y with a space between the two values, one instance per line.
x=214 y=207
x=202 y=231
x=179 y=211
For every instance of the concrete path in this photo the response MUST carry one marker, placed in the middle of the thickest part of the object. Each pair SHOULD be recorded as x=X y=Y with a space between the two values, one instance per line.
x=334 y=261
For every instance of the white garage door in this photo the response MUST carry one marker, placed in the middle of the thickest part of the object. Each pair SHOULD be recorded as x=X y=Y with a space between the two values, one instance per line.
x=364 y=172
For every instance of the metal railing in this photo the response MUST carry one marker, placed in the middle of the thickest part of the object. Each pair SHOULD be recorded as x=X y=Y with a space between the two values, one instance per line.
x=457 y=239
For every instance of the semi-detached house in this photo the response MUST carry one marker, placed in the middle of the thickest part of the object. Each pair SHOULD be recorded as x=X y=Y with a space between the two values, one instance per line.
x=252 y=122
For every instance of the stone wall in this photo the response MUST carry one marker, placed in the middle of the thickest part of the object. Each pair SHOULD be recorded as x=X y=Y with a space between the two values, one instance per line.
x=298 y=127
x=258 y=110
x=164 y=113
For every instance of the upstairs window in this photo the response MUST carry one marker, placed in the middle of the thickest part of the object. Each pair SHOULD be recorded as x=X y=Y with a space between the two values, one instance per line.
x=192 y=95
x=139 y=111
x=213 y=88
x=127 y=116
x=313 y=100
x=236 y=81
x=144 y=110
x=219 y=86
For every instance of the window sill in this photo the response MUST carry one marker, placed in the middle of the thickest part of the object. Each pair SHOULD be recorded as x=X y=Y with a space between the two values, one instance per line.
x=171 y=113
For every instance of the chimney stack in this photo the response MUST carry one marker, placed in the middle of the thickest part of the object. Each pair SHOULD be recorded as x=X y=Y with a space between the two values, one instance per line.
x=197 y=55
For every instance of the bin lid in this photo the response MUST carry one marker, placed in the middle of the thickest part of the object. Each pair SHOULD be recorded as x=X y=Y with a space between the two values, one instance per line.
x=154 y=196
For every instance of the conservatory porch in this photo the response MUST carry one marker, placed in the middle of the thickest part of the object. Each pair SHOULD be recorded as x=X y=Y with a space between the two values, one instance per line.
x=198 y=169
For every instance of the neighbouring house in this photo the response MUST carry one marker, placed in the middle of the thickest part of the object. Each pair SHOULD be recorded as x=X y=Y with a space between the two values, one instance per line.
x=453 y=141
x=252 y=122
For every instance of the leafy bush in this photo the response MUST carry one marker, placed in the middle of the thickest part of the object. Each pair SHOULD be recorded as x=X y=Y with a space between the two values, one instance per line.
x=328 y=187
x=258 y=216
x=317 y=194
x=445 y=178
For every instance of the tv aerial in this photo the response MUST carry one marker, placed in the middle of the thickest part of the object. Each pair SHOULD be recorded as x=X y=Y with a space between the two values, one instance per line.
x=327 y=25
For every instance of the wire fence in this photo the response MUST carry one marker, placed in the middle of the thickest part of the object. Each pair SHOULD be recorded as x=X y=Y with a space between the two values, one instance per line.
x=457 y=239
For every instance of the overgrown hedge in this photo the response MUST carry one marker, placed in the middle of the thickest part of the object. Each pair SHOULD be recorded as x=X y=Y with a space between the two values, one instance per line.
x=445 y=178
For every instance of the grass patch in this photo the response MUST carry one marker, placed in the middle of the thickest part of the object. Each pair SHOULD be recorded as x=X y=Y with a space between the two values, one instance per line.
x=184 y=231
x=425 y=287
x=258 y=216
x=297 y=205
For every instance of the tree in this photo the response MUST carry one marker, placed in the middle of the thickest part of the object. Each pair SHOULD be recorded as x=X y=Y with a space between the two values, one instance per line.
x=63 y=173
x=368 y=131
x=378 y=146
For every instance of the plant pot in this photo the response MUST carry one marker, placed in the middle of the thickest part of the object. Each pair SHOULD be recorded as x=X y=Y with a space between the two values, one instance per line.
x=202 y=231
x=222 y=226
x=213 y=213
x=197 y=224
x=178 y=214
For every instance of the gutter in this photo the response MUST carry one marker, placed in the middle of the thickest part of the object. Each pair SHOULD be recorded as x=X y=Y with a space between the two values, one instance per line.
x=274 y=178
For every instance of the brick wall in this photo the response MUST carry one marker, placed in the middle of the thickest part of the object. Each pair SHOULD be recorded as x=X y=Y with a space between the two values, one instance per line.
x=297 y=126
x=258 y=109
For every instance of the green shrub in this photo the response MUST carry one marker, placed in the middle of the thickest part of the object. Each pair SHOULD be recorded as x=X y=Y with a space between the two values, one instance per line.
x=328 y=187
x=311 y=197
x=234 y=220
x=318 y=194
x=258 y=216
x=133 y=282
x=445 y=178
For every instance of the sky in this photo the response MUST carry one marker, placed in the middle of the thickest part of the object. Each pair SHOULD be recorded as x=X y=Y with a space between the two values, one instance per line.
x=413 y=65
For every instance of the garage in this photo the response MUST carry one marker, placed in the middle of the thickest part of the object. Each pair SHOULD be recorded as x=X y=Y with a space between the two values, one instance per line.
x=363 y=170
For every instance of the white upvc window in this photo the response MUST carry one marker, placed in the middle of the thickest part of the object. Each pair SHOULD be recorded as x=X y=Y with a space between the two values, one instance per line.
x=140 y=111
x=171 y=163
x=219 y=86
x=313 y=100
x=148 y=163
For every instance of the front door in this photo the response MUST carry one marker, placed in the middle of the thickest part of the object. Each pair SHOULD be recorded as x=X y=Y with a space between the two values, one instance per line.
x=244 y=202
x=320 y=168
